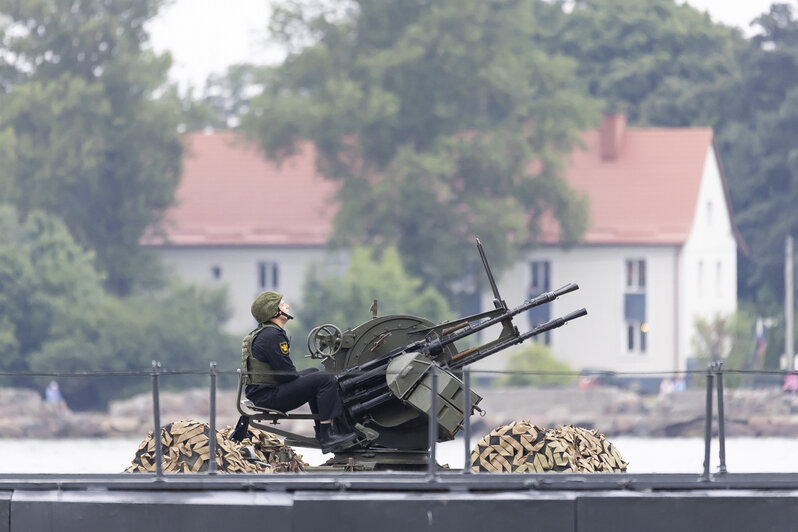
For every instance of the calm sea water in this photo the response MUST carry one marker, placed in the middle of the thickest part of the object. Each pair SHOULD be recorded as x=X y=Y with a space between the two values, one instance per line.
x=645 y=455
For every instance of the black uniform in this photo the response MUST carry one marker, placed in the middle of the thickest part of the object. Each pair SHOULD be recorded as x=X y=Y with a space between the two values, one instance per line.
x=317 y=388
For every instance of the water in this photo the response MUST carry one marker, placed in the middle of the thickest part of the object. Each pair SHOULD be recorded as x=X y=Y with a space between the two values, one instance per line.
x=645 y=455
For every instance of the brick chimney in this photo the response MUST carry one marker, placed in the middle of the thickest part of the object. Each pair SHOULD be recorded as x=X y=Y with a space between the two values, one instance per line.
x=611 y=132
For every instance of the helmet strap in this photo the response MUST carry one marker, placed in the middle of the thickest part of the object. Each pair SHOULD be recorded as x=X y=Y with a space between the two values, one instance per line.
x=281 y=313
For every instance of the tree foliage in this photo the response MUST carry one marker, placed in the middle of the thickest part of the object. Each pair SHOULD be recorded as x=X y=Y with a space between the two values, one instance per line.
x=725 y=338
x=224 y=99
x=660 y=62
x=346 y=300
x=55 y=315
x=534 y=365
x=430 y=114
x=84 y=133
x=760 y=159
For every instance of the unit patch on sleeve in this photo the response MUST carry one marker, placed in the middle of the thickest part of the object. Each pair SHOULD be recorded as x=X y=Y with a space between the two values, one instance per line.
x=284 y=347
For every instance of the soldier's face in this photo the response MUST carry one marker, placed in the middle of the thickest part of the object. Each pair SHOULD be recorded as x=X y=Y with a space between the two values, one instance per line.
x=285 y=307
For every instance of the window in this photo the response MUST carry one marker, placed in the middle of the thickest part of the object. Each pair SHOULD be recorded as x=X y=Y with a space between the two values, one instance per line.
x=216 y=273
x=634 y=304
x=636 y=275
x=636 y=336
x=709 y=213
x=268 y=276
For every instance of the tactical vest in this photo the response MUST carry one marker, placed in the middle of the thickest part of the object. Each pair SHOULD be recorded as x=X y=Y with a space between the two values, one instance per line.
x=251 y=364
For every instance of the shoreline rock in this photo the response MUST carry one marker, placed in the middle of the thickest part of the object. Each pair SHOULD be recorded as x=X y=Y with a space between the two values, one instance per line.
x=614 y=412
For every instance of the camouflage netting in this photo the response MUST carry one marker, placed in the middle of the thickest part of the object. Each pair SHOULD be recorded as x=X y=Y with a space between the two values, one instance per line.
x=524 y=447
x=185 y=450
x=592 y=452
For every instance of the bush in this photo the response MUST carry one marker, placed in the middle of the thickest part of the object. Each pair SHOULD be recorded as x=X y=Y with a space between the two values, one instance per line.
x=534 y=365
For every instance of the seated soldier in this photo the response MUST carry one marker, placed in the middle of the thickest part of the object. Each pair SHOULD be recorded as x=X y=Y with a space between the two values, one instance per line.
x=266 y=350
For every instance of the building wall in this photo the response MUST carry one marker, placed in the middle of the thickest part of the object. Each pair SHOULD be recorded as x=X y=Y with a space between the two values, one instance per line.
x=598 y=340
x=708 y=264
x=239 y=270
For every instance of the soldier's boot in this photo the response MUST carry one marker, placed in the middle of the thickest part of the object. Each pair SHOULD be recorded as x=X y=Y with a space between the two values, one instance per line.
x=240 y=432
x=330 y=441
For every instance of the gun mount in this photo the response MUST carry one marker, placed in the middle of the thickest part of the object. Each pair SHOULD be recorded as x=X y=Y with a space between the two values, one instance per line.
x=384 y=371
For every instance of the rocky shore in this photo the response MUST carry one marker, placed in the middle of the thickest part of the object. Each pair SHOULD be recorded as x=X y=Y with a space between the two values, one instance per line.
x=24 y=413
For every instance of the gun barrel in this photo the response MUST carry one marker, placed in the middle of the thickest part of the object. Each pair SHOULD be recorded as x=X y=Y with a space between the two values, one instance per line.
x=358 y=410
x=350 y=381
x=545 y=297
x=365 y=395
x=549 y=325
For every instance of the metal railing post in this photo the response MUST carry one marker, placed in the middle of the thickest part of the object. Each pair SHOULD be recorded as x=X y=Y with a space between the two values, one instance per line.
x=432 y=465
x=467 y=420
x=708 y=426
x=156 y=417
x=212 y=428
x=721 y=419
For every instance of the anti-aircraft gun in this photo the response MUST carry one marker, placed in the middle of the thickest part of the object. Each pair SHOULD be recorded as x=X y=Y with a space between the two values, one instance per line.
x=384 y=370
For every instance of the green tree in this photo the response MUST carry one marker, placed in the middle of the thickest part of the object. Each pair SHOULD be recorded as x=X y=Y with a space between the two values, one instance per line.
x=728 y=339
x=179 y=327
x=224 y=99
x=660 y=62
x=534 y=365
x=56 y=316
x=761 y=161
x=87 y=132
x=45 y=278
x=345 y=300
x=441 y=120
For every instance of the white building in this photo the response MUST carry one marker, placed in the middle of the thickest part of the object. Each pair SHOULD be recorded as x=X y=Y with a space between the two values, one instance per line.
x=659 y=252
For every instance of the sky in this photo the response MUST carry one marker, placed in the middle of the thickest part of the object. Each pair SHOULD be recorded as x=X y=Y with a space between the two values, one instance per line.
x=206 y=36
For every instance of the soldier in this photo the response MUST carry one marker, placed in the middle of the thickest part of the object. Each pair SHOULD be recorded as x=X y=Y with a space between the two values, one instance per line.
x=266 y=350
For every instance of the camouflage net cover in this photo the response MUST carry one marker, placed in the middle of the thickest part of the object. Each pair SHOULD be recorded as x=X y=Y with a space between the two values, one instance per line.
x=185 y=448
x=523 y=447
x=591 y=451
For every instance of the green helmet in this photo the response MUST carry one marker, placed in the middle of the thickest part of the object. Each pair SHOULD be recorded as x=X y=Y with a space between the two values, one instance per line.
x=265 y=306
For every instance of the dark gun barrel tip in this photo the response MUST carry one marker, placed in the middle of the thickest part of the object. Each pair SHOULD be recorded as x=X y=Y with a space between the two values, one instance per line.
x=575 y=314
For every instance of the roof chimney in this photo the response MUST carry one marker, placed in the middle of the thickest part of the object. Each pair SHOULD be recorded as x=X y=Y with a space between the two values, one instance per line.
x=611 y=133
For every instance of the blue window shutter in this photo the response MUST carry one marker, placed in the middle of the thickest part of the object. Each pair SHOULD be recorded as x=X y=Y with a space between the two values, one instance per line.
x=635 y=307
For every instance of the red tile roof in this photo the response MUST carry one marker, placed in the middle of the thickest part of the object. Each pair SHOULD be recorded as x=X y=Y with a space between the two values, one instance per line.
x=231 y=195
x=645 y=195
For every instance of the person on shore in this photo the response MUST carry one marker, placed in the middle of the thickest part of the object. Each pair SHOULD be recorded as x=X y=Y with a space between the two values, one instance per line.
x=53 y=397
x=272 y=380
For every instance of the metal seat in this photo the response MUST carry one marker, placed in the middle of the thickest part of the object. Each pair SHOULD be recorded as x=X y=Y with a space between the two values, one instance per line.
x=246 y=403
x=258 y=415
x=263 y=413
